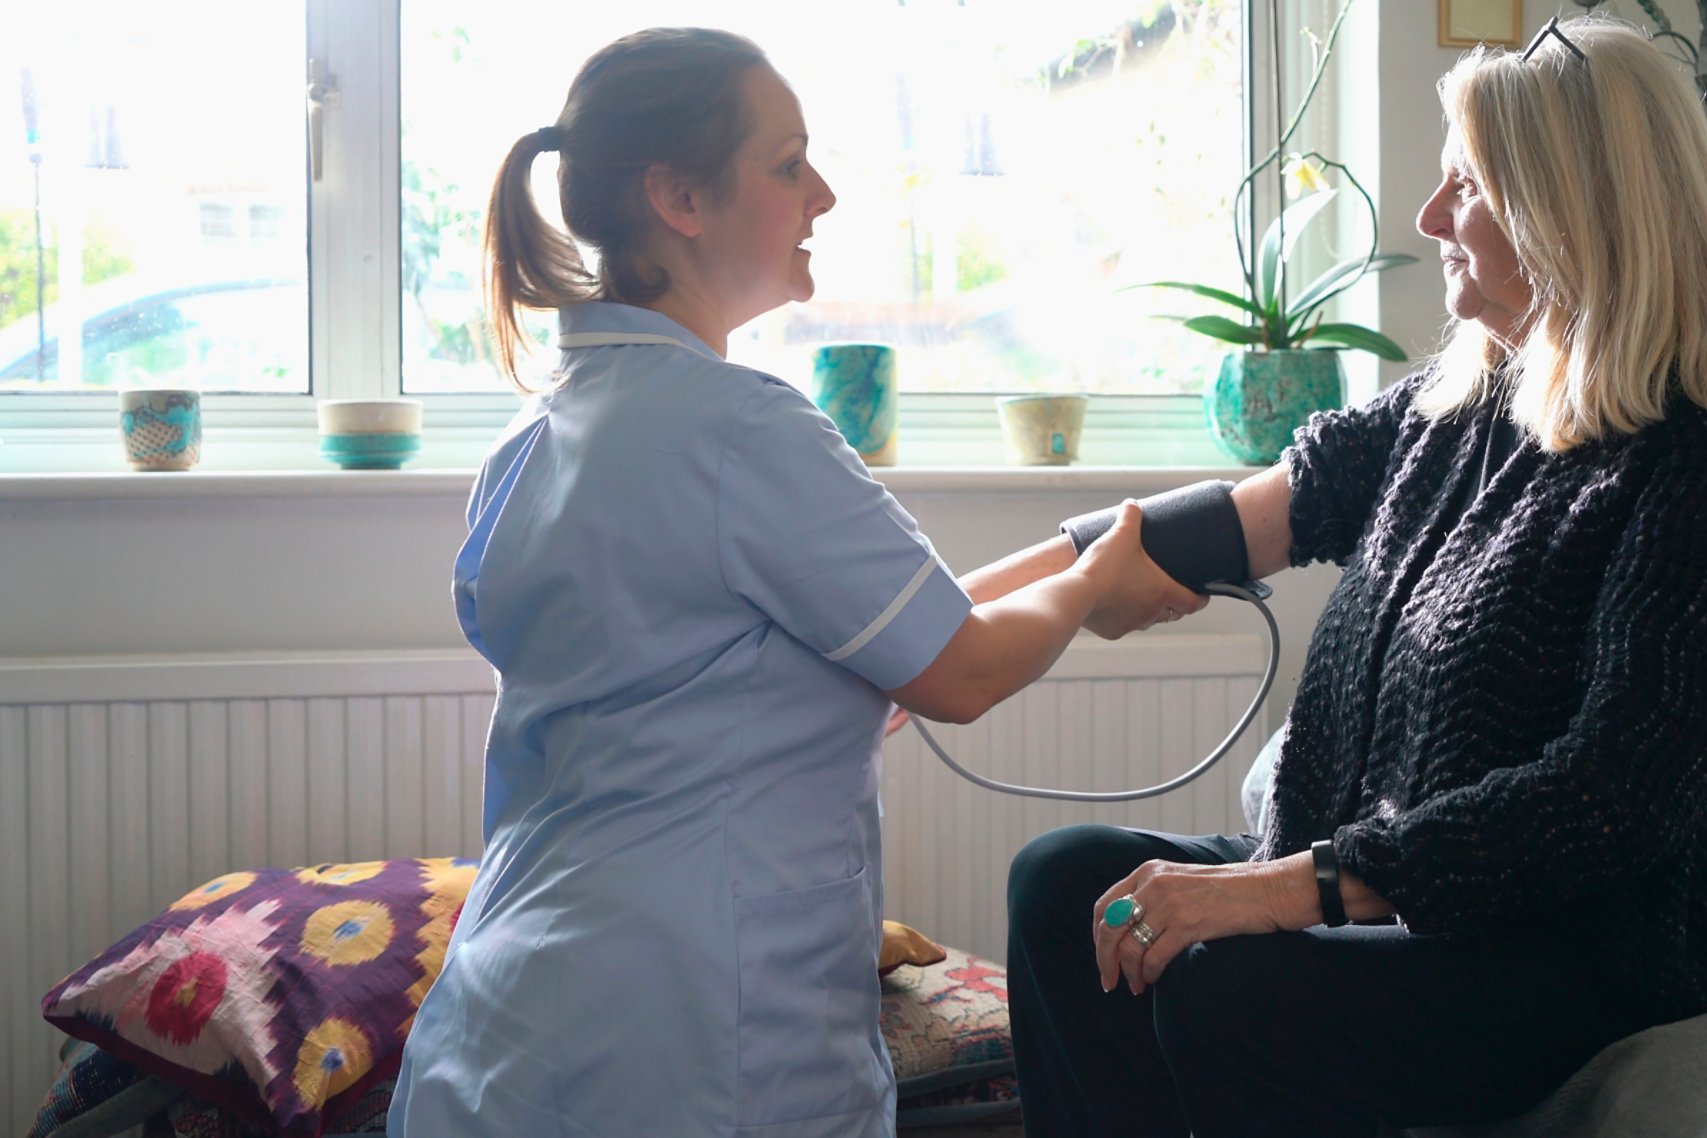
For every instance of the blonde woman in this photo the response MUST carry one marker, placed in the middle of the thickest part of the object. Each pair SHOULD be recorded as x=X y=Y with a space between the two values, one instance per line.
x=1496 y=765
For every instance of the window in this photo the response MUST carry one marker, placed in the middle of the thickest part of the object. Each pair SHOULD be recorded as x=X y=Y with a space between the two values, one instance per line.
x=150 y=138
x=1002 y=170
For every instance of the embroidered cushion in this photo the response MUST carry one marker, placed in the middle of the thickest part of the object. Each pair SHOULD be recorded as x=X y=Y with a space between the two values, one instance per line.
x=283 y=996
x=946 y=1026
x=273 y=992
x=947 y=1030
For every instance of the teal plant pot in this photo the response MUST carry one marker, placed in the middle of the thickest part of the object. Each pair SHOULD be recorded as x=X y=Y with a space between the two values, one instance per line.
x=1259 y=398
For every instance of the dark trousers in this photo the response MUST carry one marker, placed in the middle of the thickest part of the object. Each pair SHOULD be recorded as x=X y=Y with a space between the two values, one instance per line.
x=1320 y=1033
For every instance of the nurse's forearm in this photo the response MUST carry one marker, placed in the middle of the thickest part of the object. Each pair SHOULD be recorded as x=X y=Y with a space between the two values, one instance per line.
x=1002 y=646
x=1017 y=570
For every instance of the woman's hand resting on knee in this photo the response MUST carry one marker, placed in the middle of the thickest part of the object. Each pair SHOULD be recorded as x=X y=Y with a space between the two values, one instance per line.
x=1181 y=904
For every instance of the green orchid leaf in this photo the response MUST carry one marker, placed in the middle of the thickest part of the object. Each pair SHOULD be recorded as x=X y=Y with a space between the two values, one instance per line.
x=1222 y=295
x=1357 y=337
x=1342 y=276
x=1222 y=328
x=1657 y=15
x=1274 y=250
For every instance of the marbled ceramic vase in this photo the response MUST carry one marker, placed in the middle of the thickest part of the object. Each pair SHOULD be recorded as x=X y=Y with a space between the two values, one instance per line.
x=855 y=385
x=1259 y=398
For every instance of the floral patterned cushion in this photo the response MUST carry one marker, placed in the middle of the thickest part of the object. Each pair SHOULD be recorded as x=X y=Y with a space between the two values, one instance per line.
x=947 y=1030
x=946 y=1025
x=273 y=992
x=281 y=997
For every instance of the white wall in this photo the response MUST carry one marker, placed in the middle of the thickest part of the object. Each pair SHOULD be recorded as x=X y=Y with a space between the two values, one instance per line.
x=145 y=565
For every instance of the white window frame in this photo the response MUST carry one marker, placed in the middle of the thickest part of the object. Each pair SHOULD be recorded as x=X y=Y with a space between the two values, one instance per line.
x=354 y=302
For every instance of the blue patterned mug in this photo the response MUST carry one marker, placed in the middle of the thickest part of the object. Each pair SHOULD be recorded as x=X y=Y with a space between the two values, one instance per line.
x=162 y=428
x=854 y=384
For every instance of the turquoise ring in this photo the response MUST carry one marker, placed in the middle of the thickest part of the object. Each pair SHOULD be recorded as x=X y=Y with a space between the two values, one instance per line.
x=1121 y=910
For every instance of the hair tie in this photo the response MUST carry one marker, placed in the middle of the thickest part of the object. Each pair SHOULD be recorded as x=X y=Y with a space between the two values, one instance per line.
x=549 y=137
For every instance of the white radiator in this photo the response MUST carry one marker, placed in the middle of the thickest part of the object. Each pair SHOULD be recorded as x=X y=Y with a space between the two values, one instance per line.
x=125 y=783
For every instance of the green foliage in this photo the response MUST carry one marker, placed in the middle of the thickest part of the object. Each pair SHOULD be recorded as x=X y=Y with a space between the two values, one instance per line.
x=1689 y=52
x=18 y=265
x=1269 y=316
x=430 y=216
x=977 y=260
x=105 y=255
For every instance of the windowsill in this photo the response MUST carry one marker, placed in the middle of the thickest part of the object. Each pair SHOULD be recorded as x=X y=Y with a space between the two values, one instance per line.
x=947 y=435
x=131 y=486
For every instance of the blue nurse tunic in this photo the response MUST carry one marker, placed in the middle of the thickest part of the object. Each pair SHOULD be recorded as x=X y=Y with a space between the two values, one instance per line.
x=693 y=594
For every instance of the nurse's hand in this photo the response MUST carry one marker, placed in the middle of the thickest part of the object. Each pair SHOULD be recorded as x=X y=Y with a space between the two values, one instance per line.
x=1133 y=592
x=897 y=720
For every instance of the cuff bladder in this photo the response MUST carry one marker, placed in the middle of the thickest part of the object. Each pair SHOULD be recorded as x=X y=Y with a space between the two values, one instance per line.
x=1193 y=533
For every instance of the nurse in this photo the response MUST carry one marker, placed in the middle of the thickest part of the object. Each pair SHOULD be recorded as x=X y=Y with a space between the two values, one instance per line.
x=700 y=607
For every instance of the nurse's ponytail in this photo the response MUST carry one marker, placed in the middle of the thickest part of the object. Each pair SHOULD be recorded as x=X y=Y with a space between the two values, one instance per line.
x=664 y=96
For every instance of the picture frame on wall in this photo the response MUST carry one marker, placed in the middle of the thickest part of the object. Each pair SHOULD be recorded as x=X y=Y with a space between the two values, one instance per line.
x=1466 y=23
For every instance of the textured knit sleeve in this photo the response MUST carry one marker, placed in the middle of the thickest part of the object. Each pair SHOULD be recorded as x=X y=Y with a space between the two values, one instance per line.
x=1337 y=465
x=1623 y=790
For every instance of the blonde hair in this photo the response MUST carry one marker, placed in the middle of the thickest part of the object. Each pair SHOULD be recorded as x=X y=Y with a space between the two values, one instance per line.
x=663 y=96
x=1595 y=170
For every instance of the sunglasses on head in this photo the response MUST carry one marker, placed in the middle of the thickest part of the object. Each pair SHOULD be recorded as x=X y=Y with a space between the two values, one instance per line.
x=1551 y=28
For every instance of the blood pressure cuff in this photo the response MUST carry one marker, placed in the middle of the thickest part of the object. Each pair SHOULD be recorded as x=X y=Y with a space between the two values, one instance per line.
x=1193 y=533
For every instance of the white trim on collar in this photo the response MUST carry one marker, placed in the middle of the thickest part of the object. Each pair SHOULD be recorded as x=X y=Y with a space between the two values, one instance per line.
x=615 y=339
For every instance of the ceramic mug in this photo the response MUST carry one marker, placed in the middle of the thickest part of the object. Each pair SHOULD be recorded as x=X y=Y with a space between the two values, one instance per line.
x=161 y=428
x=1041 y=430
x=854 y=384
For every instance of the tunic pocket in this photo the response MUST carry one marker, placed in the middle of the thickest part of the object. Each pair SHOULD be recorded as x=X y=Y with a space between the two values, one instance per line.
x=809 y=1040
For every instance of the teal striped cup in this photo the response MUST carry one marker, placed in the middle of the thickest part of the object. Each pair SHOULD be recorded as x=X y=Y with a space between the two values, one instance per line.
x=369 y=434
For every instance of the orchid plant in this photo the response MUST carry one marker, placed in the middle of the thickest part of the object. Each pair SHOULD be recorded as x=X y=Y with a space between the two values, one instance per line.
x=1690 y=52
x=1273 y=315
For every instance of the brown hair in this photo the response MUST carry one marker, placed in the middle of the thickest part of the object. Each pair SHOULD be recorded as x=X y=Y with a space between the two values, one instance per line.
x=663 y=96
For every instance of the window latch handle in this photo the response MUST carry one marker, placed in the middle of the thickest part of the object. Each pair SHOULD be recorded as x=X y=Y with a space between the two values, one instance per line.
x=322 y=96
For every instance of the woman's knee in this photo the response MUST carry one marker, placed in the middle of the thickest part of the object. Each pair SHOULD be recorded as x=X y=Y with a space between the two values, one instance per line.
x=1066 y=870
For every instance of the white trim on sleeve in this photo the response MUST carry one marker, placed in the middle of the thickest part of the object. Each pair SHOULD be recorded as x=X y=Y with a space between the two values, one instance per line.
x=870 y=631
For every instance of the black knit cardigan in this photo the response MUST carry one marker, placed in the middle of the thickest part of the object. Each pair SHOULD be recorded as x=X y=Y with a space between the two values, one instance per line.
x=1503 y=714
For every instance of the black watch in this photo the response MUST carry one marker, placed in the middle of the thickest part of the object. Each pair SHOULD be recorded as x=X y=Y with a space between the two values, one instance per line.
x=1328 y=882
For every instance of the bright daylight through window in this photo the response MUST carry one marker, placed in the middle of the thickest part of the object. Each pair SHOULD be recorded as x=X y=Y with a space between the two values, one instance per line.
x=153 y=216
x=1002 y=169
